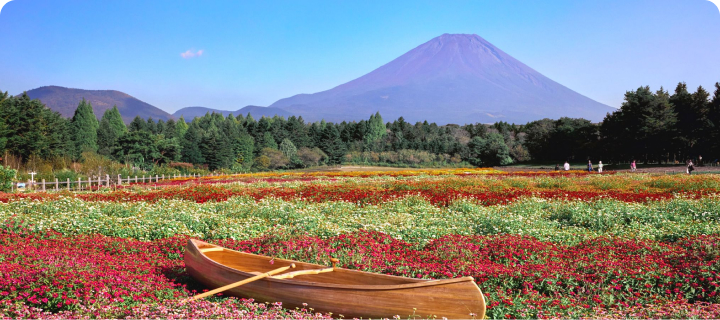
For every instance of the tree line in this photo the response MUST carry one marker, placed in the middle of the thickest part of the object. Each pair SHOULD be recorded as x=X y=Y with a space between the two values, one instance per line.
x=650 y=126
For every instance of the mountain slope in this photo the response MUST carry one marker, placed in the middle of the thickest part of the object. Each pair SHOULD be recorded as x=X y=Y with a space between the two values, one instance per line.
x=66 y=100
x=257 y=112
x=454 y=78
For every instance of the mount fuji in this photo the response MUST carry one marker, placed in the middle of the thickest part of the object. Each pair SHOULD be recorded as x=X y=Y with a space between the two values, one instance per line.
x=453 y=78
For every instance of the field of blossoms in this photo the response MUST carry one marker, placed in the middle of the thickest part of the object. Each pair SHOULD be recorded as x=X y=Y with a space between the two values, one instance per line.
x=539 y=244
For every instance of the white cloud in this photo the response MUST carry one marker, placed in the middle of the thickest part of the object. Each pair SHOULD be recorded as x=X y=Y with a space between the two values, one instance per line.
x=3 y=3
x=716 y=2
x=189 y=54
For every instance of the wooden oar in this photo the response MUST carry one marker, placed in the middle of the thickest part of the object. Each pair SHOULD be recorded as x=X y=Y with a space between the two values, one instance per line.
x=239 y=283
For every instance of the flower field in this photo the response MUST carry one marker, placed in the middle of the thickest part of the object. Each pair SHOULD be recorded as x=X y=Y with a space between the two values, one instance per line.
x=539 y=245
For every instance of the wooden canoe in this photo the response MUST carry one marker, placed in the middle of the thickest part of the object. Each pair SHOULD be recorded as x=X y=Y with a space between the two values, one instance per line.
x=346 y=292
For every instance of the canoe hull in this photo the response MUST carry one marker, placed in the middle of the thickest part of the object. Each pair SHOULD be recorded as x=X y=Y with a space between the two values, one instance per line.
x=453 y=298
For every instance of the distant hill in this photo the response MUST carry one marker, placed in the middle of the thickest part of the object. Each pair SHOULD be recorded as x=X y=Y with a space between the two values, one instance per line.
x=454 y=78
x=257 y=112
x=66 y=100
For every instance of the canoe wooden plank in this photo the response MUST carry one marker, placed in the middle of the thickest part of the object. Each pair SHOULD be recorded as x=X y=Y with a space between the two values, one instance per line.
x=351 y=293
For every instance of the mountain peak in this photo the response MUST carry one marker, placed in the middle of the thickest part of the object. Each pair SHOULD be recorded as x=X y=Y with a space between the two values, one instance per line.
x=453 y=78
x=65 y=100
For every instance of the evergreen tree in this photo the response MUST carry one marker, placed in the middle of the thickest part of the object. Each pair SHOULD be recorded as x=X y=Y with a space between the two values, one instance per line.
x=191 y=146
x=701 y=124
x=297 y=132
x=170 y=130
x=137 y=148
x=138 y=124
x=332 y=145
x=376 y=130
x=266 y=141
x=160 y=127
x=315 y=133
x=682 y=102
x=151 y=126
x=31 y=129
x=714 y=117
x=216 y=149
x=111 y=128
x=658 y=128
x=181 y=127
x=245 y=149
x=84 y=126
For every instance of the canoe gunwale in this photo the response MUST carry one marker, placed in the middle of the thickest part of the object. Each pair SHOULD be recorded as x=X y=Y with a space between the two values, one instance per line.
x=417 y=283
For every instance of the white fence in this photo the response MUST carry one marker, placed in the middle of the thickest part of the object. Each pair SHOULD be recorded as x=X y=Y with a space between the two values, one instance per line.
x=94 y=183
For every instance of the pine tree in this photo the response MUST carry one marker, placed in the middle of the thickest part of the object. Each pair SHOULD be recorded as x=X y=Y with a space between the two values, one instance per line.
x=245 y=149
x=111 y=128
x=151 y=126
x=376 y=130
x=266 y=141
x=216 y=149
x=170 y=130
x=332 y=145
x=191 y=146
x=84 y=126
x=181 y=127
x=138 y=124
x=682 y=101
x=160 y=127
x=659 y=126
x=714 y=117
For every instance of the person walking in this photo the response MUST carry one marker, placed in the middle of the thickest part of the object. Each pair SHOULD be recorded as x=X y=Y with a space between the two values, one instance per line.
x=590 y=169
x=690 y=167
x=566 y=166
x=633 y=166
x=557 y=167
x=600 y=165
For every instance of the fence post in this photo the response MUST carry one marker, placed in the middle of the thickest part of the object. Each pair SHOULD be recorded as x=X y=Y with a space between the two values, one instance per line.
x=43 y=188
x=57 y=185
x=119 y=180
x=156 y=178
x=143 y=178
x=135 y=179
x=68 y=184
x=79 y=186
x=107 y=179
x=163 y=177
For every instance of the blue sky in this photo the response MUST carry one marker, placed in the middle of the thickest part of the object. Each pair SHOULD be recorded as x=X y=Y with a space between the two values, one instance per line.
x=256 y=52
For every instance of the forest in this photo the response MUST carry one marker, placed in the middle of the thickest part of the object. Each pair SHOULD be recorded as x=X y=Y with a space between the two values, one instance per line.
x=650 y=127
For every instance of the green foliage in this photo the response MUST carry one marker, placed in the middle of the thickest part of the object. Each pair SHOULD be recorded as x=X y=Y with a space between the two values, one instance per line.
x=490 y=151
x=84 y=129
x=191 y=146
x=138 y=124
x=267 y=141
x=375 y=132
x=332 y=145
x=28 y=128
x=288 y=149
x=110 y=129
x=7 y=176
x=145 y=150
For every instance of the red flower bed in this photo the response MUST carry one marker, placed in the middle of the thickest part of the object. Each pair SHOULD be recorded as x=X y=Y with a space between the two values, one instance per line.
x=521 y=276
x=367 y=195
